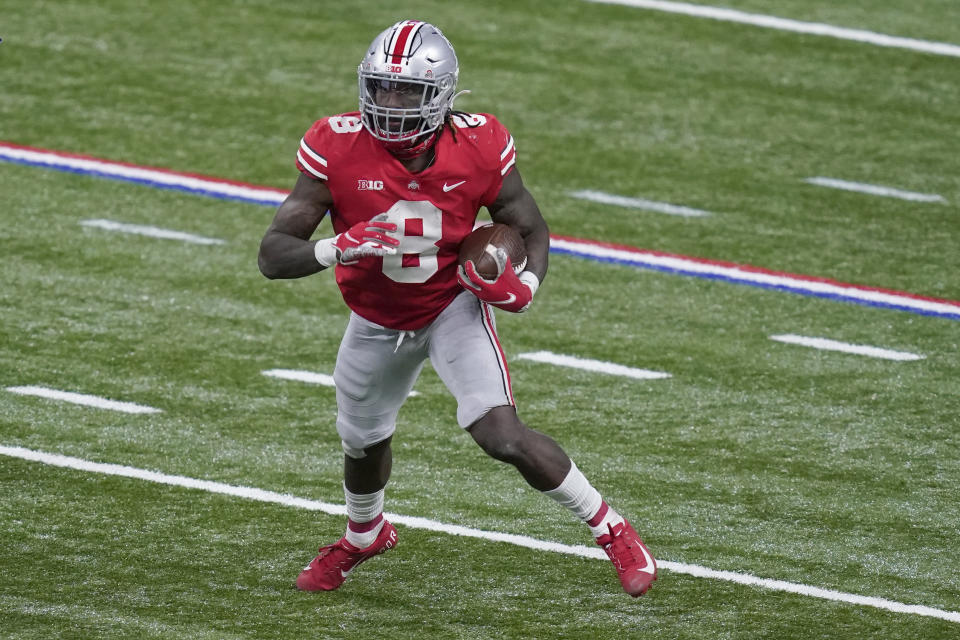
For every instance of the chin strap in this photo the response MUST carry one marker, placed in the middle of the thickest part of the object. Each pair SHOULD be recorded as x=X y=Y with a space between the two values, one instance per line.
x=406 y=153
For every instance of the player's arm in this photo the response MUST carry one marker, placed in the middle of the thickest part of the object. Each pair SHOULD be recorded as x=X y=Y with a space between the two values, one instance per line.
x=286 y=250
x=516 y=207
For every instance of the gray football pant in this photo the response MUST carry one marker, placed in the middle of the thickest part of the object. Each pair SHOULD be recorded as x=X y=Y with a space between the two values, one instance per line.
x=377 y=368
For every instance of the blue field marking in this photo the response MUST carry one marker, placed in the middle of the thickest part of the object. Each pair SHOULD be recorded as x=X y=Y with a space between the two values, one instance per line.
x=639 y=264
x=67 y=164
x=266 y=200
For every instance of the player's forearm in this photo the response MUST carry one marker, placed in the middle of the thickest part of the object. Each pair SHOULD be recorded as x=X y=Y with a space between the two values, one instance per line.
x=286 y=256
x=537 y=242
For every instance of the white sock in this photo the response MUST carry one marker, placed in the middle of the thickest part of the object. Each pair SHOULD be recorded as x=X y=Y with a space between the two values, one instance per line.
x=578 y=495
x=364 y=517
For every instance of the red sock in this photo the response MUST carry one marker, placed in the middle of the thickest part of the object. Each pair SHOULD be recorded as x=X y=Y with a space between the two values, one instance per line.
x=603 y=519
x=363 y=534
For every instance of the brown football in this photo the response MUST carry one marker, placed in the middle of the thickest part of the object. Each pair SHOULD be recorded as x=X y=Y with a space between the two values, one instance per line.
x=488 y=247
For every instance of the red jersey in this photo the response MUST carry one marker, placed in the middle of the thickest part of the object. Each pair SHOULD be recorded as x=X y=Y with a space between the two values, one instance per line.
x=433 y=209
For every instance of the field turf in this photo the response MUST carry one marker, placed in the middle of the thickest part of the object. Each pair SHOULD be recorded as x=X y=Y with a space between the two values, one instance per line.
x=824 y=469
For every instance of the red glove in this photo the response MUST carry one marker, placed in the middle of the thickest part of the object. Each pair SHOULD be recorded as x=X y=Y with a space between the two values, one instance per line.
x=508 y=292
x=359 y=241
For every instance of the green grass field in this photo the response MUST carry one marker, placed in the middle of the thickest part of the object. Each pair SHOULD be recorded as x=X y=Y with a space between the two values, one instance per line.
x=823 y=469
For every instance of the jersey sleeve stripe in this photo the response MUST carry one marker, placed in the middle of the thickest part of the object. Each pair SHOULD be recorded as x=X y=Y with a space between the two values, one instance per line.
x=506 y=167
x=309 y=168
x=310 y=152
x=507 y=149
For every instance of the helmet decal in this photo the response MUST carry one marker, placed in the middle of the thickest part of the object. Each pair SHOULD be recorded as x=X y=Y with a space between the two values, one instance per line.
x=398 y=47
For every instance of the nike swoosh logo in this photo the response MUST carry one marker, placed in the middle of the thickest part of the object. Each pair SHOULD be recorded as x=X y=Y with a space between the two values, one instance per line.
x=512 y=298
x=451 y=187
x=649 y=567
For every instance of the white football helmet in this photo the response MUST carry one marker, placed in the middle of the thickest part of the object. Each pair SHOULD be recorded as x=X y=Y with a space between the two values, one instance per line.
x=407 y=83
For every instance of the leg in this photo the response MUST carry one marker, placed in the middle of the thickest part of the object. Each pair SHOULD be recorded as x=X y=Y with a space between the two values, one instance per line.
x=364 y=481
x=370 y=473
x=539 y=459
x=545 y=466
x=374 y=374
x=466 y=353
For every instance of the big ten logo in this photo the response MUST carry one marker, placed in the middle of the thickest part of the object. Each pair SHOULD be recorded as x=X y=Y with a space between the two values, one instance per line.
x=369 y=185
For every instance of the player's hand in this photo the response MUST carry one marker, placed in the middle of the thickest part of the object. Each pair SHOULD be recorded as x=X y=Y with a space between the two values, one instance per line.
x=362 y=240
x=508 y=291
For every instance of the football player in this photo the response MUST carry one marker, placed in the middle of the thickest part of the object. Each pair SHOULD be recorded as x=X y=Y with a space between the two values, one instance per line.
x=403 y=179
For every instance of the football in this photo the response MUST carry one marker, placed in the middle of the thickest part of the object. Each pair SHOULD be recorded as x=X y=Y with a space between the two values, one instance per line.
x=489 y=246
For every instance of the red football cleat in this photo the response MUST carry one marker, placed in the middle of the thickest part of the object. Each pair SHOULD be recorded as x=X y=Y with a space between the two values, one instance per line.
x=330 y=568
x=635 y=566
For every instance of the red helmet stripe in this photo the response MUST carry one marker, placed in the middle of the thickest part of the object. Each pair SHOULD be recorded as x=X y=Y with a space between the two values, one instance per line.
x=400 y=44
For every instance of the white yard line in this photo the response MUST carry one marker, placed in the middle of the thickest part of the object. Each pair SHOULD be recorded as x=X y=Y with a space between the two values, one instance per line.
x=833 y=345
x=309 y=377
x=596 y=366
x=82 y=399
x=301 y=376
x=875 y=189
x=638 y=203
x=415 y=522
x=796 y=26
x=152 y=232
